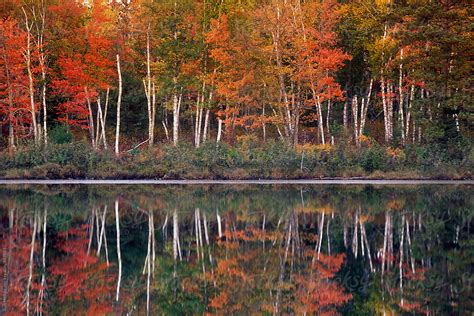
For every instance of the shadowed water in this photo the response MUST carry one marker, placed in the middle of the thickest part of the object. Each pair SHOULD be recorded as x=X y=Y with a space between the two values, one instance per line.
x=245 y=249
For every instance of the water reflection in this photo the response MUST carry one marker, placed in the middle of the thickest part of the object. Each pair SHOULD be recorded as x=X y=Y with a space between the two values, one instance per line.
x=246 y=249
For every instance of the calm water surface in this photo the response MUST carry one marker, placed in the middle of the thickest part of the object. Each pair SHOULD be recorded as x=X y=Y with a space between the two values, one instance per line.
x=246 y=249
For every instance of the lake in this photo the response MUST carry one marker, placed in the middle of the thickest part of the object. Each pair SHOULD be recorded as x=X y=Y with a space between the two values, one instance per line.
x=241 y=248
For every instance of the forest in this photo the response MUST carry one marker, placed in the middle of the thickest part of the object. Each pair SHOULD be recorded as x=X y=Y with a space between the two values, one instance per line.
x=236 y=88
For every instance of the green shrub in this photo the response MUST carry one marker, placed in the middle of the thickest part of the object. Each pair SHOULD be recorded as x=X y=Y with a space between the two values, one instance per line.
x=60 y=134
x=374 y=158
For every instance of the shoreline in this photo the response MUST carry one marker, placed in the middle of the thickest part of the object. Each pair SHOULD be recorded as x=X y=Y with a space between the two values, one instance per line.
x=336 y=181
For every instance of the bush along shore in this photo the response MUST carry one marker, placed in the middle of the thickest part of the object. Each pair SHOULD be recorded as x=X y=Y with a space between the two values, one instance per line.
x=247 y=159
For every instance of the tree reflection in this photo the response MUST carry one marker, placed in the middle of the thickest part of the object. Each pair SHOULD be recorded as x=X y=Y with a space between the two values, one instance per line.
x=245 y=251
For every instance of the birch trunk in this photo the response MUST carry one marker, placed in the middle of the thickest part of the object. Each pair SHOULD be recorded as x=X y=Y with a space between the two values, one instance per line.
x=196 y=122
x=150 y=95
x=400 y=266
x=153 y=113
x=11 y=131
x=42 y=64
x=385 y=111
x=30 y=266
x=345 y=118
x=328 y=116
x=390 y=109
x=407 y=126
x=176 y=245
x=206 y=126
x=355 y=115
x=175 y=118
x=400 y=96
x=101 y=123
x=43 y=263
x=148 y=266
x=119 y=254
x=119 y=102
x=91 y=119
x=320 y=117
x=31 y=89
x=219 y=130
x=363 y=114
x=281 y=79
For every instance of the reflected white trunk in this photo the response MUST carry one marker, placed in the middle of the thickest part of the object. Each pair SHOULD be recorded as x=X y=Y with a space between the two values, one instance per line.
x=30 y=266
x=119 y=254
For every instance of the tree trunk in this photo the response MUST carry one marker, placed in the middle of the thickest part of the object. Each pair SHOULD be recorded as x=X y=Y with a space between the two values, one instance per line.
x=219 y=129
x=31 y=89
x=328 y=117
x=197 y=122
x=176 y=104
x=119 y=102
x=400 y=96
x=281 y=79
x=91 y=119
x=148 y=89
x=206 y=126
x=384 y=104
x=104 y=120
x=101 y=123
x=176 y=245
x=355 y=116
x=11 y=131
x=345 y=118
x=153 y=113
x=363 y=114
x=30 y=266
x=119 y=254
x=407 y=126
x=390 y=109
x=320 y=117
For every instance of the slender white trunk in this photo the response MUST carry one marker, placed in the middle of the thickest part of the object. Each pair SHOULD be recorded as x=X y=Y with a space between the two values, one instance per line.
x=391 y=90
x=412 y=260
x=176 y=245
x=400 y=267
x=30 y=267
x=31 y=89
x=355 y=114
x=320 y=118
x=385 y=112
x=149 y=91
x=400 y=96
x=206 y=126
x=42 y=63
x=328 y=117
x=408 y=119
x=103 y=236
x=153 y=113
x=219 y=224
x=355 y=237
x=101 y=122
x=196 y=123
x=176 y=106
x=363 y=114
x=367 y=246
x=148 y=265
x=166 y=130
x=91 y=232
x=43 y=263
x=219 y=130
x=91 y=118
x=119 y=102
x=320 y=238
x=119 y=253
x=102 y=136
